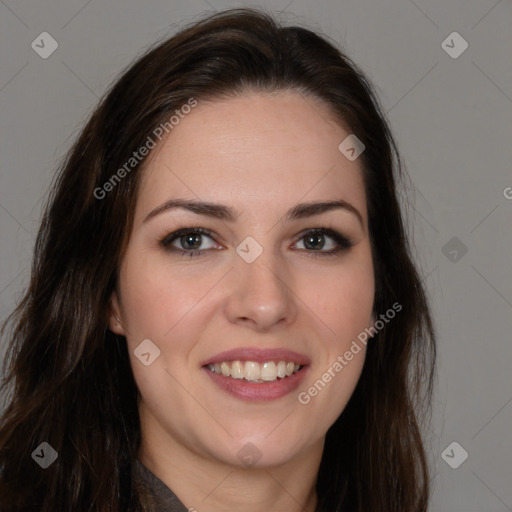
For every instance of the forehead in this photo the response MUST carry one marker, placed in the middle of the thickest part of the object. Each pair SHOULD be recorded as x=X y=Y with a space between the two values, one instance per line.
x=259 y=151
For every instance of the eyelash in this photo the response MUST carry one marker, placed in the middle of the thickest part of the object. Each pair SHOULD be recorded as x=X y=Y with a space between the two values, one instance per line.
x=343 y=242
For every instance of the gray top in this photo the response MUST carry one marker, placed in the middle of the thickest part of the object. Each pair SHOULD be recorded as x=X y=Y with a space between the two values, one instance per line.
x=165 y=500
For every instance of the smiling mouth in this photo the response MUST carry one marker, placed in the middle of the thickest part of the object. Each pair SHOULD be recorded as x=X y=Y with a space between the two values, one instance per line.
x=252 y=371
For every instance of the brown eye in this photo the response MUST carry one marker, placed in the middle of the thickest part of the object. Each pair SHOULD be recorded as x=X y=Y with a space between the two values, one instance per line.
x=315 y=240
x=189 y=241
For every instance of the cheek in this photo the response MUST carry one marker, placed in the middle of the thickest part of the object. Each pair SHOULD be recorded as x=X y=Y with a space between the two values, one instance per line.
x=341 y=298
x=157 y=296
x=344 y=302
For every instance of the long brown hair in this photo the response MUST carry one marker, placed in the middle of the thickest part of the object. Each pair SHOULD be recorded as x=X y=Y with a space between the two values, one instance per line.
x=69 y=378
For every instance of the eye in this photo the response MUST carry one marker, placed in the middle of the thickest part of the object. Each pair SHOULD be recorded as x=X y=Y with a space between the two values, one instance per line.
x=188 y=241
x=316 y=240
x=322 y=241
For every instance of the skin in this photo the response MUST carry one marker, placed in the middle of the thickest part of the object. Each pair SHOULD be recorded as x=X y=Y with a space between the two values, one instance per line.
x=260 y=154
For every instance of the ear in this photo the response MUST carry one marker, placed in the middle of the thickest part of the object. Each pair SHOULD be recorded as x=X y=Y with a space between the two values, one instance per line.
x=115 y=319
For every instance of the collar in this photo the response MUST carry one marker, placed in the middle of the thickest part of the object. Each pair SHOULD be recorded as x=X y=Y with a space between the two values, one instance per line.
x=164 y=500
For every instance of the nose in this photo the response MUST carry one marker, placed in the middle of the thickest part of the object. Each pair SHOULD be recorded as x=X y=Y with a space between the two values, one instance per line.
x=261 y=294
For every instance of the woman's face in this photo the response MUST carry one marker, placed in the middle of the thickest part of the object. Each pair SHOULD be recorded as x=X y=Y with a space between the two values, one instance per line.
x=263 y=290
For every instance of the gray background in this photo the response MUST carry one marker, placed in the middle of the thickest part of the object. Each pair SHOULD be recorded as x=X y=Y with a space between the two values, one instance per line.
x=452 y=118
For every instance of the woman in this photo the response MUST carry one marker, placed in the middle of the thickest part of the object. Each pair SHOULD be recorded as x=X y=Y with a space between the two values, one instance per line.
x=223 y=312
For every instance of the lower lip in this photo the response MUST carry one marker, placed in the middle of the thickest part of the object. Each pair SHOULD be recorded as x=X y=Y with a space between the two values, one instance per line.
x=258 y=391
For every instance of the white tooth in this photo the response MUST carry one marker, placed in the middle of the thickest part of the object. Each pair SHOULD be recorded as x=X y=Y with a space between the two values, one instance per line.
x=224 y=368
x=211 y=367
x=251 y=370
x=269 y=371
x=281 y=369
x=217 y=368
x=289 y=368
x=296 y=367
x=237 y=371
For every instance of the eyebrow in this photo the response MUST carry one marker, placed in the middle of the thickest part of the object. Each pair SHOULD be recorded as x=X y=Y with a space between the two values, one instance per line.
x=228 y=214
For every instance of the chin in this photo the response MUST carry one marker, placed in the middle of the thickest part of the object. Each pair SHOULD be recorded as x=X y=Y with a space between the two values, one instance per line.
x=258 y=453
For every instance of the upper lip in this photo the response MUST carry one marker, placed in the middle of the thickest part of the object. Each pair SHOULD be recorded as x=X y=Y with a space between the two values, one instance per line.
x=258 y=355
